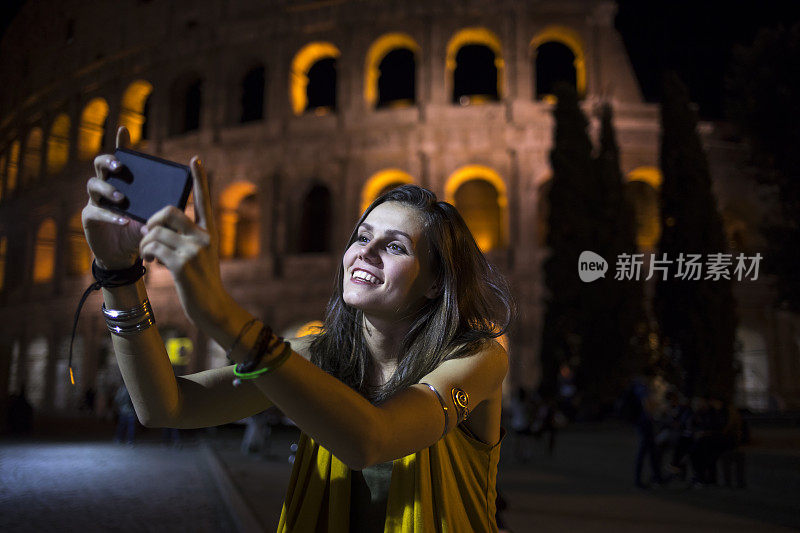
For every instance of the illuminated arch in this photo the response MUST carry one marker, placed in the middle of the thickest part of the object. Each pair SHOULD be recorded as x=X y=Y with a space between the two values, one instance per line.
x=44 y=258
x=467 y=174
x=32 y=158
x=303 y=60
x=377 y=51
x=476 y=35
x=92 y=128
x=650 y=175
x=58 y=144
x=380 y=181
x=642 y=190
x=572 y=40
x=13 y=167
x=309 y=328
x=231 y=242
x=80 y=256
x=133 y=106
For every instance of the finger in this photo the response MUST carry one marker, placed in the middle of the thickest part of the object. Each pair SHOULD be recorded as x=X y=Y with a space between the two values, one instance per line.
x=98 y=189
x=123 y=137
x=202 y=198
x=105 y=164
x=173 y=218
x=163 y=235
x=92 y=214
x=158 y=250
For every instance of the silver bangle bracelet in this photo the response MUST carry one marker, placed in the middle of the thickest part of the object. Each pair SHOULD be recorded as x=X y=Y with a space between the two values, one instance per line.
x=130 y=329
x=119 y=315
x=444 y=406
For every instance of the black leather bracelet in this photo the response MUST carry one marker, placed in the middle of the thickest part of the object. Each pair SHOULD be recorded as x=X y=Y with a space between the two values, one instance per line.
x=108 y=279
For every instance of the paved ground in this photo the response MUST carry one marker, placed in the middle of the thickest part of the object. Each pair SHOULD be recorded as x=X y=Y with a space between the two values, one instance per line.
x=94 y=485
x=101 y=486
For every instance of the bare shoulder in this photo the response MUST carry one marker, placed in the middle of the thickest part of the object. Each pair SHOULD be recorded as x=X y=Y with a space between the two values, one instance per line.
x=302 y=345
x=487 y=364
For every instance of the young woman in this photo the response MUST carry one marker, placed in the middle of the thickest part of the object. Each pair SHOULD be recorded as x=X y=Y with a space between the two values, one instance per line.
x=397 y=398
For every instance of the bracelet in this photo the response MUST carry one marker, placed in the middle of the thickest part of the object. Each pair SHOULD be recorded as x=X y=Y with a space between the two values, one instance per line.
x=241 y=334
x=125 y=314
x=109 y=279
x=133 y=328
x=271 y=366
x=444 y=406
x=119 y=321
x=259 y=349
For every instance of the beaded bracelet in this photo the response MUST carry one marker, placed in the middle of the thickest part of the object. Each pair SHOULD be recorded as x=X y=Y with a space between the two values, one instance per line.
x=270 y=367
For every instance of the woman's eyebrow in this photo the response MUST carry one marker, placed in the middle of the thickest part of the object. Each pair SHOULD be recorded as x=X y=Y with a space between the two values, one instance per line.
x=368 y=227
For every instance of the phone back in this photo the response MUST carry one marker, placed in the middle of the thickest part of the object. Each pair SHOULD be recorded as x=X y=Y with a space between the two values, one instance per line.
x=149 y=183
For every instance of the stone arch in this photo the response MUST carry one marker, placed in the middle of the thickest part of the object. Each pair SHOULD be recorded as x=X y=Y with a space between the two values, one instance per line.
x=252 y=87
x=135 y=109
x=480 y=41
x=12 y=170
x=306 y=58
x=58 y=144
x=186 y=103
x=480 y=195
x=92 y=128
x=315 y=220
x=642 y=188
x=240 y=221
x=32 y=158
x=44 y=257
x=379 y=51
x=382 y=181
x=572 y=40
x=79 y=259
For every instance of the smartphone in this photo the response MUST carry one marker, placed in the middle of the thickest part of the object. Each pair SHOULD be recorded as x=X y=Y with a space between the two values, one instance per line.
x=149 y=184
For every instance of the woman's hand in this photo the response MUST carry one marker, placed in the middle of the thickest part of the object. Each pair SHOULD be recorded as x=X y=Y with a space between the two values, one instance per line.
x=113 y=238
x=190 y=251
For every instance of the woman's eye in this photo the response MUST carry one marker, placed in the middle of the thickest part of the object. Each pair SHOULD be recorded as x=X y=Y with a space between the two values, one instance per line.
x=362 y=238
x=397 y=247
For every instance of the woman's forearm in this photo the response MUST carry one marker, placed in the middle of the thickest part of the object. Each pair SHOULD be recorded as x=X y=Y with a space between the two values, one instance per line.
x=143 y=361
x=338 y=417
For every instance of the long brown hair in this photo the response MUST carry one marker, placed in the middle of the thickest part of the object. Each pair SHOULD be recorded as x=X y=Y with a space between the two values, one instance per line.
x=473 y=305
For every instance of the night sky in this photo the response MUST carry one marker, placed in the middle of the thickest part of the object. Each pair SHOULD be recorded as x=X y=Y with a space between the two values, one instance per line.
x=695 y=38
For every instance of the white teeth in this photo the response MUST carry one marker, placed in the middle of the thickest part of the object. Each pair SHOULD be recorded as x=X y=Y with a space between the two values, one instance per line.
x=366 y=276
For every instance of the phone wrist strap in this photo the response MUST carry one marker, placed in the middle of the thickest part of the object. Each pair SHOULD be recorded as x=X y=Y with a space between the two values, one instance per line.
x=104 y=279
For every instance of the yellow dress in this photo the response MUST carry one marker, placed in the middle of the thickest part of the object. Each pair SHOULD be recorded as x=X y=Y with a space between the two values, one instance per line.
x=448 y=487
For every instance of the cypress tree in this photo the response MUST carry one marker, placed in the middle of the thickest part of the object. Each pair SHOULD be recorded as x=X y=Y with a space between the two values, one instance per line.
x=570 y=227
x=696 y=318
x=615 y=312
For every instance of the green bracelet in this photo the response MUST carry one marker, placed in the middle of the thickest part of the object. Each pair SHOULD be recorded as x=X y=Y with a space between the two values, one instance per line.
x=270 y=367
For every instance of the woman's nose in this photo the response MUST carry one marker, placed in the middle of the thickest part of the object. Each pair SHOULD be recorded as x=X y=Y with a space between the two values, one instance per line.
x=369 y=253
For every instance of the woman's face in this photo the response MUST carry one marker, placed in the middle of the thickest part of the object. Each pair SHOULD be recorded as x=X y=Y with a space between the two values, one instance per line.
x=387 y=269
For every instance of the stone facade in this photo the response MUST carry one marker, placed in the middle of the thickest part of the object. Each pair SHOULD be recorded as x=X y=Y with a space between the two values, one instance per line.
x=58 y=58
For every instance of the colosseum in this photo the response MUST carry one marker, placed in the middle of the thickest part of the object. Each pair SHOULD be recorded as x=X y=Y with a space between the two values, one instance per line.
x=303 y=111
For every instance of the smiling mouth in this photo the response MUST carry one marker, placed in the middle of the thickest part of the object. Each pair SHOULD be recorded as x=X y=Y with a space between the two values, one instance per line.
x=362 y=276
